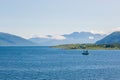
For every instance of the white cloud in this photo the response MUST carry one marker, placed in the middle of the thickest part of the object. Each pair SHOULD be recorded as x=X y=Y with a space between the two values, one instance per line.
x=116 y=29
x=56 y=37
x=43 y=36
x=113 y=30
x=91 y=37
x=97 y=32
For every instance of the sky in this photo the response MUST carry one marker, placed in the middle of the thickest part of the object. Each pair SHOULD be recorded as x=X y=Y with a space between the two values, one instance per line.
x=29 y=18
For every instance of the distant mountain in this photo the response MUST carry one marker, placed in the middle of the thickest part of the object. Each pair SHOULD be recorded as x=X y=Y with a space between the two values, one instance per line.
x=110 y=39
x=73 y=38
x=12 y=40
x=85 y=36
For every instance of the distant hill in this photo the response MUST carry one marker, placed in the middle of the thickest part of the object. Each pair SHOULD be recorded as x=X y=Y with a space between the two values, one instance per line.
x=113 y=38
x=73 y=38
x=13 y=40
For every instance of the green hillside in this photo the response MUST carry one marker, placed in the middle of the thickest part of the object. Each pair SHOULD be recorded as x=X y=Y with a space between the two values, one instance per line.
x=89 y=46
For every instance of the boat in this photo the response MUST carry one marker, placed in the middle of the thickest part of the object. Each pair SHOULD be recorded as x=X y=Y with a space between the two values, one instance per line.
x=85 y=52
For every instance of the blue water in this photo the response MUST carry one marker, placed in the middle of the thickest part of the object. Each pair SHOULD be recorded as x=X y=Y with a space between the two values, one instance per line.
x=44 y=63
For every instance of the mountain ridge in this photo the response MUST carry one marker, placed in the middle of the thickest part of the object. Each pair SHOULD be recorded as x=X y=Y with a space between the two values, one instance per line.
x=113 y=38
x=73 y=38
x=7 y=39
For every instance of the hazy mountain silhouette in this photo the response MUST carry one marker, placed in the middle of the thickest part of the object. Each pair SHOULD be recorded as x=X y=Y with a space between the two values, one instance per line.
x=73 y=38
x=13 y=40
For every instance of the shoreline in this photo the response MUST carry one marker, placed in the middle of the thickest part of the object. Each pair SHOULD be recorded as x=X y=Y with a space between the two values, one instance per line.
x=88 y=47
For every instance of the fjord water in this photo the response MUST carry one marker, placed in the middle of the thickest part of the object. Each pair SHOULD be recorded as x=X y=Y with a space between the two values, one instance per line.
x=44 y=63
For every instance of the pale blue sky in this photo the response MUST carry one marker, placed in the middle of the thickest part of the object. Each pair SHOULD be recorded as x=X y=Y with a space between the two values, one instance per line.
x=42 y=17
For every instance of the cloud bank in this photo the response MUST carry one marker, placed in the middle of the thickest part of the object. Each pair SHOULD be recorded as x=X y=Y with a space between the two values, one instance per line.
x=56 y=37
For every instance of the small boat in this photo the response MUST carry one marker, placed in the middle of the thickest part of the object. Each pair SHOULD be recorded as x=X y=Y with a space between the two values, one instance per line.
x=85 y=52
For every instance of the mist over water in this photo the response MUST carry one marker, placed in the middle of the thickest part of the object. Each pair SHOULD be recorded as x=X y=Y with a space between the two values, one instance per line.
x=44 y=63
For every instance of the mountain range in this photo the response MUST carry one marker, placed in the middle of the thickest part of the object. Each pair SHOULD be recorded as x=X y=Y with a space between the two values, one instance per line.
x=73 y=38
